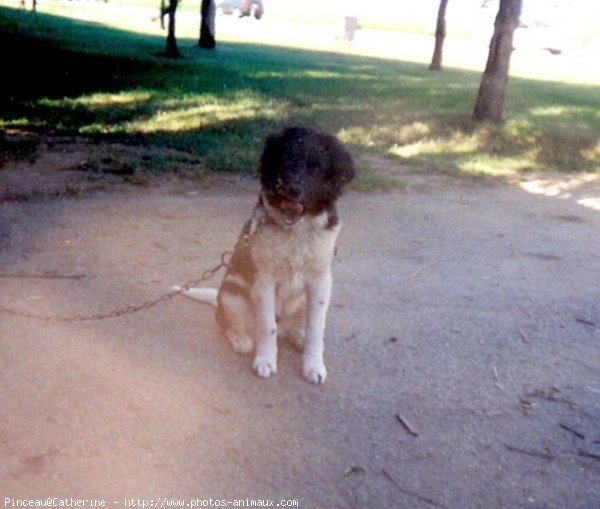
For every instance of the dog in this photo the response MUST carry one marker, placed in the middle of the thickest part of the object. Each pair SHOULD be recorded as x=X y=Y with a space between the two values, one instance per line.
x=278 y=281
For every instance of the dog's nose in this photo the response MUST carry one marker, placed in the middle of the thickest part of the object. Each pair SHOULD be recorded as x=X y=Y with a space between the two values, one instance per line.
x=294 y=193
x=293 y=208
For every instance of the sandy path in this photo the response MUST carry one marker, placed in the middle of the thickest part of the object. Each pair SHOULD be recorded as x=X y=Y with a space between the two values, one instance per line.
x=463 y=351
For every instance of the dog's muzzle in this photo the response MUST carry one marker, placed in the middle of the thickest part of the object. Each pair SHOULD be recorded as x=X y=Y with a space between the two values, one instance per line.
x=291 y=210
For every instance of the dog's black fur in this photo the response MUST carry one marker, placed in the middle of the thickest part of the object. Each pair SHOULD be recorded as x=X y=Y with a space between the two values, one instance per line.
x=306 y=166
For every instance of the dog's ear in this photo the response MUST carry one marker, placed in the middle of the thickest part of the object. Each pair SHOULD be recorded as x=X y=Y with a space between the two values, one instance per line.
x=272 y=154
x=341 y=161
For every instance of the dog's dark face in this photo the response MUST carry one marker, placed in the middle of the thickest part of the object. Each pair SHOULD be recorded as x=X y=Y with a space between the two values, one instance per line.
x=303 y=172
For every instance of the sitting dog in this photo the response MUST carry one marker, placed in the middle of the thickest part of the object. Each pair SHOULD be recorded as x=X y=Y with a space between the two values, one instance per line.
x=278 y=282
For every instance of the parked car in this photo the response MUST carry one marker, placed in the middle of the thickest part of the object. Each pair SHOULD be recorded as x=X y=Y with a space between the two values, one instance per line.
x=241 y=8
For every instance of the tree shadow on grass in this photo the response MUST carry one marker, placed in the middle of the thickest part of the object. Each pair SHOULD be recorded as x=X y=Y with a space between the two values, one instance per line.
x=219 y=105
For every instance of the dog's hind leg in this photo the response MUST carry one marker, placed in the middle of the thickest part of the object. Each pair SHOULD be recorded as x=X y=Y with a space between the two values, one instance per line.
x=241 y=341
x=235 y=318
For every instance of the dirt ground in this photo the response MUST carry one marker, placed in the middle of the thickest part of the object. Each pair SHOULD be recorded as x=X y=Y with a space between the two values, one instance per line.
x=463 y=346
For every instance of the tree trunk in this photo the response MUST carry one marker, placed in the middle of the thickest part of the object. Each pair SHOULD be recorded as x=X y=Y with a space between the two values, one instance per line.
x=207 y=24
x=172 y=51
x=163 y=12
x=440 y=34
x=492 y=89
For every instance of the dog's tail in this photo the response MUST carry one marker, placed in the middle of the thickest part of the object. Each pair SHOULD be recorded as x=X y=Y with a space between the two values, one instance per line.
x=205 y=295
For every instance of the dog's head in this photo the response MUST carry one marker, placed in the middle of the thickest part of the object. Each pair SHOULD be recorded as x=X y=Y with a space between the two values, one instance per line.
x=303 y=171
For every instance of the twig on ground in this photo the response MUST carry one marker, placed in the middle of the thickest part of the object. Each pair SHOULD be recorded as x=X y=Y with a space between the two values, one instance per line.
x=526 y=405
x=356 y=469
x=410 y=493
x=497 y=378
x=546 y=455
x=524 y=336
x=586 y=454
x=573 y=431
x=585 y=321
x=551 y=395
x=421 y=269
x=407 y=425
x=26 y=275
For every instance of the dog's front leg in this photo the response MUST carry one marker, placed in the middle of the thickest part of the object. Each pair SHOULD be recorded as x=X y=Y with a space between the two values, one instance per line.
x=263 y=296
x=319 y=295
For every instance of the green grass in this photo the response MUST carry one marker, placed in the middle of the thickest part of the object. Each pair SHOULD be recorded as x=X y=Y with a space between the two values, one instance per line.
x=114 y=85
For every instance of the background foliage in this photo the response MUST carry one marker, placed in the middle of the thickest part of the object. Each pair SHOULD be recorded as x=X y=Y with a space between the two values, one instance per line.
x=110 y=83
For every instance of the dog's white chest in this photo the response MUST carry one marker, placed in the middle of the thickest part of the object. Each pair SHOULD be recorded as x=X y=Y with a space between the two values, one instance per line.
x=293 y=255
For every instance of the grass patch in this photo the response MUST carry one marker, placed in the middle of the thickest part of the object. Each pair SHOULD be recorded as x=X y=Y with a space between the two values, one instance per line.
x=17 y=147
x=113 y=84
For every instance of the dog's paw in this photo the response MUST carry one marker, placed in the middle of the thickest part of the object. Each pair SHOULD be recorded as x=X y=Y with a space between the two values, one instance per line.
x=315 y=372
x=264 y=367
x=240 y=342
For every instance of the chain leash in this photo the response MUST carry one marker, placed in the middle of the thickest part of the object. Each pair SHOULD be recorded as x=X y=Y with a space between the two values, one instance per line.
x=126 y=310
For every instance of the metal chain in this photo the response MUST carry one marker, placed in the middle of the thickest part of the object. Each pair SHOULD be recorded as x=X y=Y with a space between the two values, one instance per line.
x=126 y=310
